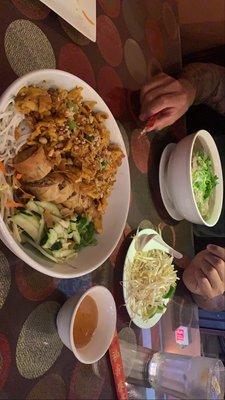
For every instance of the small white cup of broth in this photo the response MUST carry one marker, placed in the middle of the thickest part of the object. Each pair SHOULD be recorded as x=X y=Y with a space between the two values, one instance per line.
x=86 y=325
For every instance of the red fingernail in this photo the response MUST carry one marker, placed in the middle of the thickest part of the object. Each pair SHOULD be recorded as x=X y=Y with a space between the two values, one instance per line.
x=151 y=122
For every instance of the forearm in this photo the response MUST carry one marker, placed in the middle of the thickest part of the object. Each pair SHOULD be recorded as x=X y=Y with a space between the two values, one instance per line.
x=215 y=304
x=209 y=82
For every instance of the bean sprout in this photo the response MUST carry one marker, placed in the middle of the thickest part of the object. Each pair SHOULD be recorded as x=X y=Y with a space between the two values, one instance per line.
x=149 y=279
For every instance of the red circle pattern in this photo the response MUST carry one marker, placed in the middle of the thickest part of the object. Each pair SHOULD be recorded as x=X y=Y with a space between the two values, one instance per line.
x=41 y=288
x=140 y=146
x=108 y=40
x=111 y=90
x=111 y=7
x=5 y=359
x=114 y=254
x=83 y=375
x=32 y=9
x=155 y=39
x=154 y=68
x=72 y=59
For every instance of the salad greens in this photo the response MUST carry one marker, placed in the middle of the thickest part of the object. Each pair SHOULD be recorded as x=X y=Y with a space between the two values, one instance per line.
x=203 y=180
x=86 y=230
x=59 y=241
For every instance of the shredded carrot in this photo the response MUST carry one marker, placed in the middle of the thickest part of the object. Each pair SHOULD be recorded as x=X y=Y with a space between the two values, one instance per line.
x=89 y=19
x=18 y=176
x=2 y=167
x=17 y=133
x=13 y=204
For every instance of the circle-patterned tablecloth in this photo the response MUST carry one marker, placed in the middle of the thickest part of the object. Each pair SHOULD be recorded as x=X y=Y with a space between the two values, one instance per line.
x=135 y=40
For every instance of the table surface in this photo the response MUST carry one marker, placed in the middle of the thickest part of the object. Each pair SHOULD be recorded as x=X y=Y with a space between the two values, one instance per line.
x=135 y=40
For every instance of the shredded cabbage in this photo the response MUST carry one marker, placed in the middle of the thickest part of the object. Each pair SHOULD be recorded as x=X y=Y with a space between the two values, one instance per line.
x=150 y=280
x=203 y=180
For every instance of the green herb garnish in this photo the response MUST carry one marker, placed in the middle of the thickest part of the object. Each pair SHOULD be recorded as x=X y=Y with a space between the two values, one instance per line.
x=203 y=180
x=72 y=125
x=170 y=292
x=56 y=246
x=104 y=163
x=86 y=230
x=70 y=104
x=89 y=138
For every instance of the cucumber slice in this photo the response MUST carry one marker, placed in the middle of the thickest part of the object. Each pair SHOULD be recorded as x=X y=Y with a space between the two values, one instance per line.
x=63 y=254
x=16 y=233
x=161 y=309
x=60 y=231
x=33 y=206
x=28 y=223
x=51 y=207
x=74 y=233
x=152 y=312
x=40 y=206
x=52 y=237
x=39 y=248
x=31 y=216
x=41 y=228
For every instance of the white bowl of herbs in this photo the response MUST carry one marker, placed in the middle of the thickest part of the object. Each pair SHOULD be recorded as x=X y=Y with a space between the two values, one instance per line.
x=193 y=179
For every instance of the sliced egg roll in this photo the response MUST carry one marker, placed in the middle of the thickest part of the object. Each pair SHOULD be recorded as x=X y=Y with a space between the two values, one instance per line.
x=32 y=163
x=54 y=187
x=78 y=203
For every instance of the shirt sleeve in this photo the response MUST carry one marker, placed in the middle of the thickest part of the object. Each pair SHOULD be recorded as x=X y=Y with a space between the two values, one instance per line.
x=215 y=304
x=209 y=82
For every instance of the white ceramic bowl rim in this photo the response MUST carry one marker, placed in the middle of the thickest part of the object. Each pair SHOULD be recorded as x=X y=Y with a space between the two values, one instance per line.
x=204 y=137
x=88 y=292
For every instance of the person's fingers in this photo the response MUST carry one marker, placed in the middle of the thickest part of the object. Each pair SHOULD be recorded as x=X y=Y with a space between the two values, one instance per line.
x=159 y=91
x=165 y=118
x=157 y=105
x=163 y=123
x=216 y=250
x=212 y=276
x=157 y=81
x=217 y=263
x=203 y=286
x=189 y=280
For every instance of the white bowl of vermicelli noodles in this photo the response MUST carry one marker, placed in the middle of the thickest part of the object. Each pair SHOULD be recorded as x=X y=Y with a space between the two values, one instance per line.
x=149 y=278
x=64 y=174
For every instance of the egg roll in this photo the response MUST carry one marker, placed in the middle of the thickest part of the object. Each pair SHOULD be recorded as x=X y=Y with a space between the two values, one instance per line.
x=54 y=187
x=32 y=163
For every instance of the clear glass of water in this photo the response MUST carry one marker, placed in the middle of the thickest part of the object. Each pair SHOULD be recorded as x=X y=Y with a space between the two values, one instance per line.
x=187 y=377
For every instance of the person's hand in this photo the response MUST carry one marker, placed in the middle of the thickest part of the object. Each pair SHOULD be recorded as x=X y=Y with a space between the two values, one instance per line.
x=205 y=275
x=167 y=96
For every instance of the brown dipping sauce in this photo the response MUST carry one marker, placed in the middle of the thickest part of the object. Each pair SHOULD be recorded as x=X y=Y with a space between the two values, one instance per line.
x=85 y=322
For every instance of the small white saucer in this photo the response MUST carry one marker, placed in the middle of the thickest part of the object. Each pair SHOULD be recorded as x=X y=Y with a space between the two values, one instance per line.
x=169 y=206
